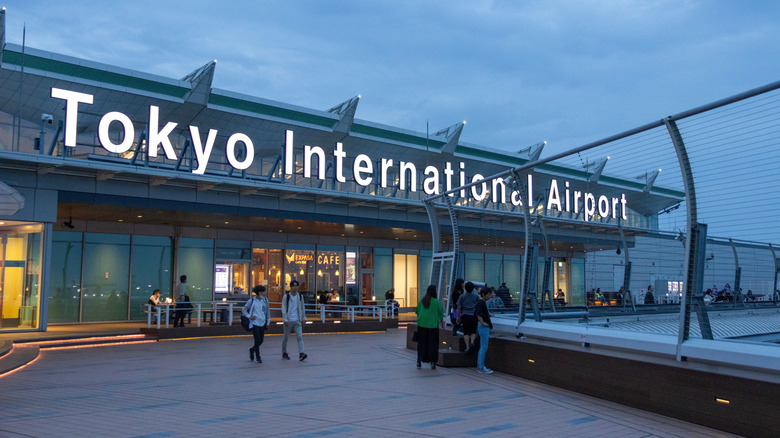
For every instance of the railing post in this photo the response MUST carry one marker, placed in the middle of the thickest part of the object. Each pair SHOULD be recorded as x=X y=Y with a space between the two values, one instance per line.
x=200 y=315
x=230 y=314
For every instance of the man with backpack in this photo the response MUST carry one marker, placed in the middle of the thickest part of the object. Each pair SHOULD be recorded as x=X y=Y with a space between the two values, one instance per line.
x=293 y=317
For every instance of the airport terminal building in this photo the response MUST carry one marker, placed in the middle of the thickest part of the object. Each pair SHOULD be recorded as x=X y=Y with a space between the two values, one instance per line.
x=115 y=182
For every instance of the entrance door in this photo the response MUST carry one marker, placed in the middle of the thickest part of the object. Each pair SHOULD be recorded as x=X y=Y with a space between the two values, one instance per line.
x=367 y=287
x=20 y=249
x=405 y=281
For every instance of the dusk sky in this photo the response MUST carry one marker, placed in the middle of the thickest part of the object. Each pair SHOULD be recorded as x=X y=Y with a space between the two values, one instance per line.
x=568 y=72
x=519 y=72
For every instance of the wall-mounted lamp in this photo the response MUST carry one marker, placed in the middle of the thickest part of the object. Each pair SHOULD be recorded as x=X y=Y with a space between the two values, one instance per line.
x=618 y=251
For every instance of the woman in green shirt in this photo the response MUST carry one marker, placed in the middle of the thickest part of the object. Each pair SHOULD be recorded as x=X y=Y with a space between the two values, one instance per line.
x=429 y=315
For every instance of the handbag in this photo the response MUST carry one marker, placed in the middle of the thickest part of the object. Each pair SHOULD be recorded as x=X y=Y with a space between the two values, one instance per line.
x=415 y=336
x=245 y=321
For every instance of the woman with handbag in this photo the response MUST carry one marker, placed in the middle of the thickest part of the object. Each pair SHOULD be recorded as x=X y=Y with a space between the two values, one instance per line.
x=429 y=315
x=259 y=316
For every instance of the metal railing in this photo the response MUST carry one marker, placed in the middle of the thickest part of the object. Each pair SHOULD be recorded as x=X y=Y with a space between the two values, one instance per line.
x=163 y=312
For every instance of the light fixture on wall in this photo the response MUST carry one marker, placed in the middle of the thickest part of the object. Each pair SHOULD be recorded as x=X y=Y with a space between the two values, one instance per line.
x=337 y=273
x=69 y=223
x=618 y=251
x=301 y=271
x=319 y=272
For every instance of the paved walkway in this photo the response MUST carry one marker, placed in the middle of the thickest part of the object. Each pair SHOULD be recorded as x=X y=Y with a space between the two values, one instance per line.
x=351 y=385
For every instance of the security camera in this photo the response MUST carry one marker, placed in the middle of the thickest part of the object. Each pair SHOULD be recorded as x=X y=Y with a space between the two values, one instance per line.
x=48 y=118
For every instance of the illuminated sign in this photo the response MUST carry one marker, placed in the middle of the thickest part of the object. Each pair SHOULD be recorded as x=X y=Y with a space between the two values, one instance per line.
x=221 y=278
x=300 y=259
x=350 y=268
x=365 y=170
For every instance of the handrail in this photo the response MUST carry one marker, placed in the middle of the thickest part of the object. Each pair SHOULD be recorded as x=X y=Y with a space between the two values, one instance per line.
x=163 y=309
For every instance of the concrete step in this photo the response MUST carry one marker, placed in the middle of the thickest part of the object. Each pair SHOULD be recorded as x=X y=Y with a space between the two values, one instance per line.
x=451 y=358
x=18 y=356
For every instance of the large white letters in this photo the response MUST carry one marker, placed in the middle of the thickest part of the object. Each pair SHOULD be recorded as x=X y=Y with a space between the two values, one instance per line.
x=72 y=100
x=121 y=139
x=105 y=138
x=362 y=165
x=230 y=151
x=202 y=153
x=159 y=137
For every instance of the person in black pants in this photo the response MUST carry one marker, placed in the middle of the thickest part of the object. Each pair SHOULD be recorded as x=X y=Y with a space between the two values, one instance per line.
x=182 y=307
x=259 y=316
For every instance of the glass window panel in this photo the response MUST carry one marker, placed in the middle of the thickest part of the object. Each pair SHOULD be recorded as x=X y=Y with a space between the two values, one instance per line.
x=426 y=261
x=276 y=263
x=65 y=276
x=578 y=282
x=512 y=273
x=106 y=275
x=300 y=266
x=366 y=258
x=383 y=271
x=330 y=272
x=412 y=270
x=493 y=270
x=475 y=267
x=196 y=261
x=152 y=265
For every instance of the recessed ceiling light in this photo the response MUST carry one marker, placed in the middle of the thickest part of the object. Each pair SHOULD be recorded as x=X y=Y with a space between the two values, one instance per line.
x=226 y=222
x=121 y=220
x=139 y=216
x=208 y=226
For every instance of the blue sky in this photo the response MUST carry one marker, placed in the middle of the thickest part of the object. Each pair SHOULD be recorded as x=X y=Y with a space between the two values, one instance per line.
x=568 y=72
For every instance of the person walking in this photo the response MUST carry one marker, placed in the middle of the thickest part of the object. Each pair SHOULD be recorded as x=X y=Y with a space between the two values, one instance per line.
x=483 y=318
x=429 y=315
x=259 y=314
x=293 y=317
x=466 y=304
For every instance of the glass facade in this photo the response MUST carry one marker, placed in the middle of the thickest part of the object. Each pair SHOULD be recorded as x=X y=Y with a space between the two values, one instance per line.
x=109 y=277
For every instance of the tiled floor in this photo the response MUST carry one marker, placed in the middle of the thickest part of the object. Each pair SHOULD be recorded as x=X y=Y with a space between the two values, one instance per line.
x=362 y=385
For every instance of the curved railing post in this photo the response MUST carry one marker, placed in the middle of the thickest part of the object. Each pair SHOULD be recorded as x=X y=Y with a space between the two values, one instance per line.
x=695 y=241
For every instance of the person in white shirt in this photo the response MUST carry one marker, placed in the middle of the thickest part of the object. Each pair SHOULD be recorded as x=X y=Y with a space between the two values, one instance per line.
x=293 y=316
x=259 y=316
